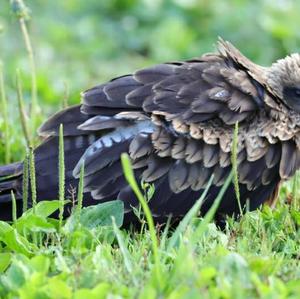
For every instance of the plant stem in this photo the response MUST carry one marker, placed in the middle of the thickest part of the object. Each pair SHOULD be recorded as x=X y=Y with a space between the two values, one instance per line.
x=61 y=169
x=32 y=178
x=14 y=206
x=22 y=111
x=25 y=184
x=34 y=102
x=295 y=197
x=66 y=95
x=22 y=13
x=5 y=116
x=80 y=189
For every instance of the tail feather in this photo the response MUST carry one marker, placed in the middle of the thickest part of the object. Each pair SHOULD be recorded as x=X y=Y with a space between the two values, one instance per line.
x=46 y=168
x=10 y=180
x=70 y=117
x=13 y=169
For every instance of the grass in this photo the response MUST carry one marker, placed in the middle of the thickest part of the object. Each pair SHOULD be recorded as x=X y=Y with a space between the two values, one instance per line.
x=257 y=257
x=89 y=256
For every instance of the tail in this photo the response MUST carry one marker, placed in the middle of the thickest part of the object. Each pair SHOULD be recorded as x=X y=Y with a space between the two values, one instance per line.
x=46 y=163
x=46 y=171
x=10 y=181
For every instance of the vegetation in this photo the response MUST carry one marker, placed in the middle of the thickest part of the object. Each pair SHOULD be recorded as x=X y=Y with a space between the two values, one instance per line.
x=55 y=49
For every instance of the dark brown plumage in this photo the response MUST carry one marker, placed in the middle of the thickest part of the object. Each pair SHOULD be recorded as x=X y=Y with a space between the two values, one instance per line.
x=176 y=120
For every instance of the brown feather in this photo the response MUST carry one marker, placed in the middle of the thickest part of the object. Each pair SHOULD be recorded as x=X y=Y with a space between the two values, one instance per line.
x=290 y=159
x=177 y=120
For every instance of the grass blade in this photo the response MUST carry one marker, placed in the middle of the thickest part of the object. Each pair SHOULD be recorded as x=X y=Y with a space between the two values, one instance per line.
x=129 y=175
x=212 y=211
x=164 y=235
x=234 y=153
x=188 y=217
x=124 y=251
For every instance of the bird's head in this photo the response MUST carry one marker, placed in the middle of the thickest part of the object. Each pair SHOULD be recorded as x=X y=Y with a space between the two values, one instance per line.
x=283 y=80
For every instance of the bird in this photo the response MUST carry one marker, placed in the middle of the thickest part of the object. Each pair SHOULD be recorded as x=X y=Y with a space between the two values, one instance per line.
x=176 y=121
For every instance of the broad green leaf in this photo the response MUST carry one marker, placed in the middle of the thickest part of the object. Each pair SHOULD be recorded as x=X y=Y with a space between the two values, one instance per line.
x=45 y=208
x=32 y=288
x=14 y=240
x=57 y=288
x=5 y=259
x=40 y=263
x=16 y=274
x=97 y=215
x=100 y=291
x=34 y=223
x=4 y=228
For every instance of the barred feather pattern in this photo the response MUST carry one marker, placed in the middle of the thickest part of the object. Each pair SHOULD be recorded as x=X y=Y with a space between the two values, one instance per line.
x=176 y=120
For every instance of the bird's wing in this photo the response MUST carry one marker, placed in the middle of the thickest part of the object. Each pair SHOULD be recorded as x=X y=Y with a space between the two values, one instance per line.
x=190 y=92
x=176 y=120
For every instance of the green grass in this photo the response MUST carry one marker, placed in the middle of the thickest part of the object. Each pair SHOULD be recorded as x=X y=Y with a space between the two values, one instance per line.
x=257 y=257
x=88 y=255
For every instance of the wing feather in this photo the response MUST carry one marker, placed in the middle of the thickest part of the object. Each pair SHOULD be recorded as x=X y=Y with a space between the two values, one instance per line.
x=176 y=120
